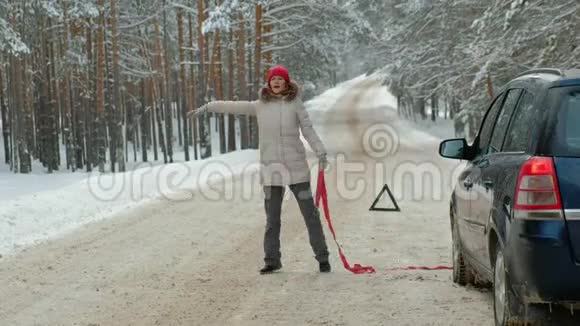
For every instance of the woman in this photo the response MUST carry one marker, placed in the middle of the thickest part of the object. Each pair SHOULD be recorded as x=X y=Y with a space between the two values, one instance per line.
x=281 y=115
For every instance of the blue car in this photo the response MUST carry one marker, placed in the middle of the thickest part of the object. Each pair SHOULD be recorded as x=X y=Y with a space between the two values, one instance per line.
x=515 y=210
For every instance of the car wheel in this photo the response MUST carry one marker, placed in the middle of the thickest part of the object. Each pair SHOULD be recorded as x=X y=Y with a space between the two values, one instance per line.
x=507 y=307
x=501 y=309
x=462 y=273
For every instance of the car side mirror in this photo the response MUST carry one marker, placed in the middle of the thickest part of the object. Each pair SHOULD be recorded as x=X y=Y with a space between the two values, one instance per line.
x=454 y=148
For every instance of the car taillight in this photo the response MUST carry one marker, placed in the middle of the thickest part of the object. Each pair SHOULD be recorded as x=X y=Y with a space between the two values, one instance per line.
x=537 y=193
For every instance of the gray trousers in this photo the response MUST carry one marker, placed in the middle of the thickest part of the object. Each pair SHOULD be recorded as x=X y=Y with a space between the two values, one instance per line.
x=273 y=206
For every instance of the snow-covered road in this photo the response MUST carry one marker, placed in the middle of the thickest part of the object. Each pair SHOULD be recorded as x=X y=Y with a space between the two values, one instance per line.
x=196 y=261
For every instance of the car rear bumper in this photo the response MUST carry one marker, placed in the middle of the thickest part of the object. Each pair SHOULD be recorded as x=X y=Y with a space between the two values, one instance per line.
x=541 y=265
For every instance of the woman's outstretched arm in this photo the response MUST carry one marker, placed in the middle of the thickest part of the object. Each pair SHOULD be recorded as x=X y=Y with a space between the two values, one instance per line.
x=232 y=107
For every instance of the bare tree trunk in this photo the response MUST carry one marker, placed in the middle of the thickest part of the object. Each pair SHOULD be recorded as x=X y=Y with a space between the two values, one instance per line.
x=218 y=86
x=160 y=90
x=90 y=108
x=412 y=108
x=455 y=106
x=176 y=85
x=184 y=87
x=160 y=125
x=117 y=108
x=12 y=113
x=151 y=90
x=242 y=84
x=100 y=88
x=46 y=116
x=211 y=85
x=13 y=105
x=78 y=118
x=434 y=107
x=192 y=93
x=69 y=135
x=54 y=100
x=168 y=104
x=399 y=111
x=144 y=121
x=43 y=110
x=204 y=124
x=252 y=92
x=422 y=109
x=55 y=104
x=4 y=117
x=231 y=117
x=258 y=45
x=154 y=119
x=144 y=114
x=130 y=131
x=19 y=115
x=112 y=136
x=28 y=103
x=257 y=72
x=268 y=54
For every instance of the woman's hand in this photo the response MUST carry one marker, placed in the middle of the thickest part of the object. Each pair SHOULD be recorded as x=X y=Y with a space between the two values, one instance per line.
x=323 y=162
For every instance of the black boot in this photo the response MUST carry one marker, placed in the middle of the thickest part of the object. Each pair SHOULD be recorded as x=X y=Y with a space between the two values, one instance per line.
x=268 y=269
x=325 y=267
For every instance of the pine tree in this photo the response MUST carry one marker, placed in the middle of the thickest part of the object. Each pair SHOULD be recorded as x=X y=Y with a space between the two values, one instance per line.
x=183 y=80
x=231 y=117
x=4 y=116
x=204 y=124
x=66 y=94
x=192 y=89
x=118 y=144
x=242 y=84
x=218 y=86
x=254 y=132
x=100 y=89
x=159 y=92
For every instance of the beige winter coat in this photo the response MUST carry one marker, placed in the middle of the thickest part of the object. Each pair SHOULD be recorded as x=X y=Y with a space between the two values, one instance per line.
x=280 y=119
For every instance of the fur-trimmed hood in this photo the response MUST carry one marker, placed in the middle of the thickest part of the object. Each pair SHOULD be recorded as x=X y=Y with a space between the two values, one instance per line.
x=290 y=94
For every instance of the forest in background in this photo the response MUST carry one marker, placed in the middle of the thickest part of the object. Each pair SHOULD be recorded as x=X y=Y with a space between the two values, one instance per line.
x=461 y=52
x=94 y=79
x=88 y=85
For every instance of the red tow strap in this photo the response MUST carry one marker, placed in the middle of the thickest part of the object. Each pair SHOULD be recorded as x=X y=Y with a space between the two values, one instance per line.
x=357 y=268
x=321 y=194
x=420 y=268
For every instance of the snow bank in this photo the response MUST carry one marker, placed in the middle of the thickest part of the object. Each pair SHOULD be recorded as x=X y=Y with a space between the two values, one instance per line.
x=53 y=212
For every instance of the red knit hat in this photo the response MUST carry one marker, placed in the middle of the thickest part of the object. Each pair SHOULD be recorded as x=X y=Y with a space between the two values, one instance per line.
x=278 y=71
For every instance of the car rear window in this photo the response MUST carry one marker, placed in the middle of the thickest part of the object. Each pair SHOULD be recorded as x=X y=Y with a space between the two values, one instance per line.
x=566 y=137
